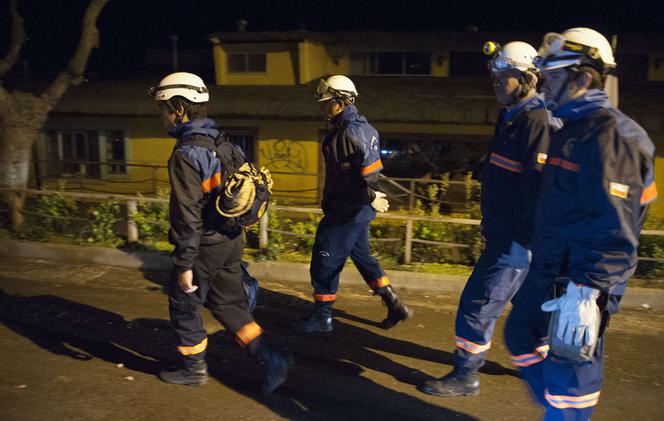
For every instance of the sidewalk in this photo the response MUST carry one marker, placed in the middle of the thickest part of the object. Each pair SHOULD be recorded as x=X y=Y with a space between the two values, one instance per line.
x=270 y=270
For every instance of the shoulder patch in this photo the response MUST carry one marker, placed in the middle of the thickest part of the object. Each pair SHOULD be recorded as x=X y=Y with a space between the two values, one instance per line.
x=618 y=189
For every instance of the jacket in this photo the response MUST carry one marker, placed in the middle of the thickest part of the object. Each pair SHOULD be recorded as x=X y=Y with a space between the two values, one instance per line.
x=511 y=174
x=194 y=173
x=597 y=184
x=352 y=166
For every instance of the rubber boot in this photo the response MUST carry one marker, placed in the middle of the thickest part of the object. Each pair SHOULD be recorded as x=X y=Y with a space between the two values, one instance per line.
x=459 y=382
x=396 y=310
x=277 y=361
x=318 y=322
x=193 y=372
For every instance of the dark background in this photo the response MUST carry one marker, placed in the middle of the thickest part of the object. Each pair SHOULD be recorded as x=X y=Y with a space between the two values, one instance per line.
x=129 y=28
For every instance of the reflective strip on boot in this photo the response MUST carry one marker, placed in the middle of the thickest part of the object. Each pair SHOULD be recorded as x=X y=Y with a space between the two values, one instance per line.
x=471 y=347
x=193 y=350
x=565 y=401
x=248 y=333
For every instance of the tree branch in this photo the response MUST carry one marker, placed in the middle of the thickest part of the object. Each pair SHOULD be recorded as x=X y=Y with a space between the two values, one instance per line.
x=17 y=39
x=73 y=73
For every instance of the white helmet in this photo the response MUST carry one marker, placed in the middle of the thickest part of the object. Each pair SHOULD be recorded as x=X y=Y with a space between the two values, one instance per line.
x=513 y=55
x=575 y=47
x=186 y=85
x=337 y=86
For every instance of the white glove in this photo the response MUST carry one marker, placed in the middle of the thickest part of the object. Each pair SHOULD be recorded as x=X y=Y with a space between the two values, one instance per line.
x=380 y=203
x=578 y=322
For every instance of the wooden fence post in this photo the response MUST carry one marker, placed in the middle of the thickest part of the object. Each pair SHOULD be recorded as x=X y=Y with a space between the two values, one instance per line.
x=132 y=228
x=262 y=231
x=408 y=246
x=411 y=196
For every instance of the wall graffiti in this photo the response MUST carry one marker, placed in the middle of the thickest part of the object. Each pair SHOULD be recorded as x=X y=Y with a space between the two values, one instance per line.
x=285 y=155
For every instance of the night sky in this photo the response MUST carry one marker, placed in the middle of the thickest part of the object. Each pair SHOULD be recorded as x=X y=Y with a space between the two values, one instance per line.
x=130 y=27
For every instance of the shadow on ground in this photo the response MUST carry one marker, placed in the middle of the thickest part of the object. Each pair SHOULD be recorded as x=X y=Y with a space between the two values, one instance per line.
x=326 y=382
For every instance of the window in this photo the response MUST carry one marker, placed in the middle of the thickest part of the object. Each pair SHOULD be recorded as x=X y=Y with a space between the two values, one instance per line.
x=79 y=151
x=245 y=139
x=72 y=152
x=390 y=63
x=466 y=63
x=246 y=63
x=115 y=152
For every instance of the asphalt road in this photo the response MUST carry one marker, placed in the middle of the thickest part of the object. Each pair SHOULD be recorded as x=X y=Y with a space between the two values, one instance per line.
x=84 y=342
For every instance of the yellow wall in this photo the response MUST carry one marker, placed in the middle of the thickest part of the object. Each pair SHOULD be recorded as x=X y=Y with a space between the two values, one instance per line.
x=440 y=63
x=280 y=68
x=313 y=60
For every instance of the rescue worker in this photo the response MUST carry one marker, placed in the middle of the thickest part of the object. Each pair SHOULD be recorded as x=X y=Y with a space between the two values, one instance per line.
x=510 y=184
x=351 y=198
x=596 y=187
x=207 y=261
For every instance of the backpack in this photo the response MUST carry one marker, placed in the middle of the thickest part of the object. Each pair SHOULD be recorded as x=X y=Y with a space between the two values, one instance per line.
x=244 y=193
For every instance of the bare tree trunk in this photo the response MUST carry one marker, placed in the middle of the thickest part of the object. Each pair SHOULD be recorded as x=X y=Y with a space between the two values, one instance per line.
x=15 y=150
x=22 y=114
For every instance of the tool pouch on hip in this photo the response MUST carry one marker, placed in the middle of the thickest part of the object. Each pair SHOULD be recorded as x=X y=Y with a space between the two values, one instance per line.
x=557 y=346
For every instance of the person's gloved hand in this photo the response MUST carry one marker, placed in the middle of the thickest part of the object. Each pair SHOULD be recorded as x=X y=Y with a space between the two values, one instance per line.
x=518 y=258
x=578 y=322
x=380 y=203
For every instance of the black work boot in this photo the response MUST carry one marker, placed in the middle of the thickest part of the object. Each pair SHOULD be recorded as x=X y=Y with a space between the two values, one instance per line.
x=318 y=322
x=459 y=382
x=396 y=310
x=193 y=372
x=277 y=362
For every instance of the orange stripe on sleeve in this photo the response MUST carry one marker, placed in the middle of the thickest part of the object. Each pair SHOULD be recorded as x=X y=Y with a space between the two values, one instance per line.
x=211 y=182
x=649 y=194
x=376 y=165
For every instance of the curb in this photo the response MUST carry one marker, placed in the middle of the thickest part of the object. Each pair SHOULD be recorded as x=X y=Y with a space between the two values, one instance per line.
x=267 y=270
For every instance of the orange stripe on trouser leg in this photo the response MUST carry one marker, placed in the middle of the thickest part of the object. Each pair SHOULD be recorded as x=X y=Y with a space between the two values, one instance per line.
x=193 y=350
x=383 y=281
x=526 y=360
x=325 y=297
x=578 y=402
x=471 y=347
x=248 y=333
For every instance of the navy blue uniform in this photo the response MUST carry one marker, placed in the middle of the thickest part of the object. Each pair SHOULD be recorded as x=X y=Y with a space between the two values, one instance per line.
x=352 y=165
x=215 y=258
x=597 y=184
x=510 y=185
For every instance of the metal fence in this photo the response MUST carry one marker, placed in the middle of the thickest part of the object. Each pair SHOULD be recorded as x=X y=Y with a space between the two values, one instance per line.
x=133 y=234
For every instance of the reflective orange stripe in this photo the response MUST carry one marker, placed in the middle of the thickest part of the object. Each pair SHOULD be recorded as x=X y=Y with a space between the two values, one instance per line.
x=248 y=333
x=562 y=401
x=211 y=182
x=372 y=167
x=505 y=163
x=471 y=347
x=379 y=283
x=525 y=360
x=570 y=166
x=325 y=297
x=192 y=350
x=649 y=194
